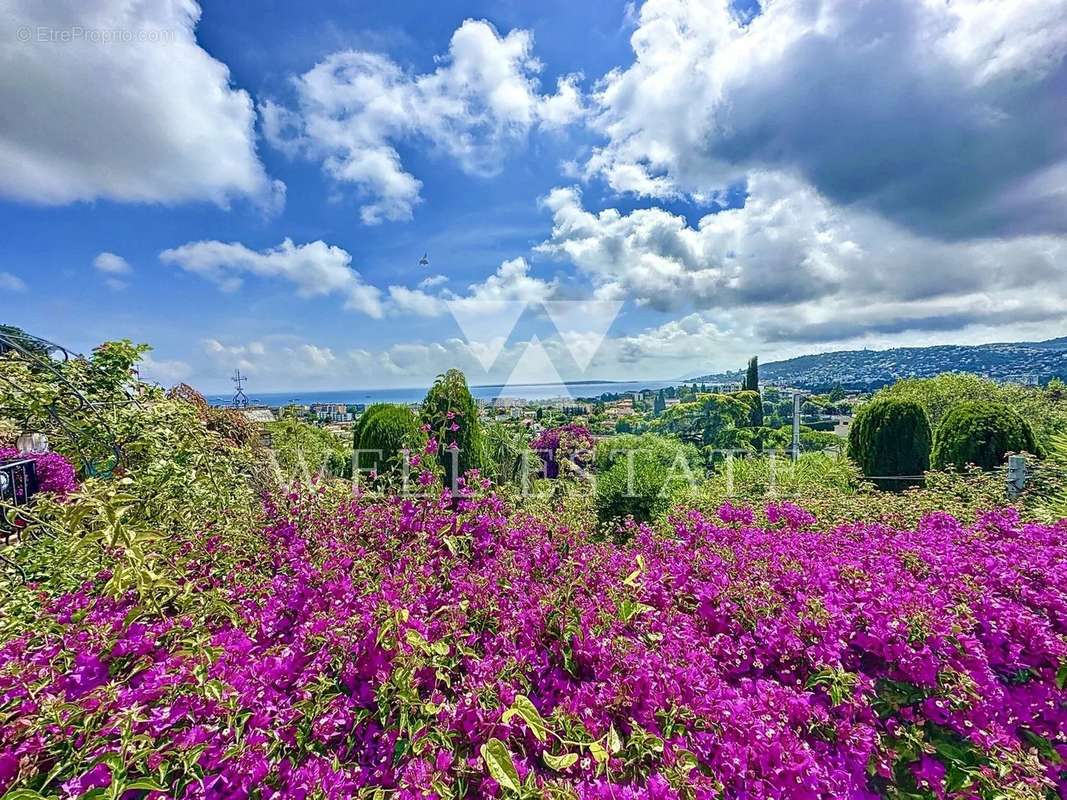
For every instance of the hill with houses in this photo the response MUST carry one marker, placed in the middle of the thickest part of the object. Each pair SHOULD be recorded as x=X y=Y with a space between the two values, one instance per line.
x=1022 y=362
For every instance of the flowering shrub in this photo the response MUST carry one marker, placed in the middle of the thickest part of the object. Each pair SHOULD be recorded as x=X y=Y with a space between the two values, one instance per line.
x=458 y=648
x=54 y=472
x=564 y=445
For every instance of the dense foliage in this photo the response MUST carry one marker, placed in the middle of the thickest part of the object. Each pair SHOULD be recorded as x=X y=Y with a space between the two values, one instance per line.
x=564 y=448
x=507 y=457
x=190 y=629
x=411 y=647
x=751 y=384
x=156 y=471
x=980 y=433
x=643 y=476
x=1045 y=408
x=1050 y=490
x=890 y=440
x=384 y=432
x=304 y=451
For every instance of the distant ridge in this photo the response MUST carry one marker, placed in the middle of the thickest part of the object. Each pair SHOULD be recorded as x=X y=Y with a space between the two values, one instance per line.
x=1025 y=362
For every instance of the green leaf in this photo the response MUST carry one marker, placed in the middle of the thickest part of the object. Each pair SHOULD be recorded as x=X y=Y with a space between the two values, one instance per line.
x=414 y=638
x=614 y=740
x=597 y=751
x=23 y=794
x=1042 y=745
x=686 y=760
x=560 y=763
x=144 y=784
x=501 y=767
x=1061 y=676
x=524 y=707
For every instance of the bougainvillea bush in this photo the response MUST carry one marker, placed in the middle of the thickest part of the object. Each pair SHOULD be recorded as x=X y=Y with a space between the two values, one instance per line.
x=565 y=448
x=455 y=647
x=54 y=472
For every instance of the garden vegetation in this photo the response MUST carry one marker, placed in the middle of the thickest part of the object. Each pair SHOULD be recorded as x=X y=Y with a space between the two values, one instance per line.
x=184 y=619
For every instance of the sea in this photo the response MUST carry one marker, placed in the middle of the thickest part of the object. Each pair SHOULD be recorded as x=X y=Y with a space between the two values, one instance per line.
x=529 y=392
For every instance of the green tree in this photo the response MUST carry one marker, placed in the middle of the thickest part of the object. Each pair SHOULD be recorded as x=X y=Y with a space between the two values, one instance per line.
x=660 y=404
x=391 y=429
x=1045 y=408
x=751 y=384
x=305 y=451
x=452 y=416
x=707 y=421
x=981 y=433
x=643 y=476
x=891 y=437
x=506 y=454
x=755 y=407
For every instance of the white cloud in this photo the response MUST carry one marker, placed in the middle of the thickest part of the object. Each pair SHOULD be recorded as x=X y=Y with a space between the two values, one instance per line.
x=11 y=283
x=790 y=254
x=511 y=282
x=354 y=107
x=112 y=264
x=416 y=301
x=943 y=116
x=432 y=281
x=166 y=372
x=315 y=268
x=149 y=118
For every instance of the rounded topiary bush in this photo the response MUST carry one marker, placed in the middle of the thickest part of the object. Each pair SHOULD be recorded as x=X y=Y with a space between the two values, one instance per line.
x=982 y=434
x=389 y=428
x=891 y=438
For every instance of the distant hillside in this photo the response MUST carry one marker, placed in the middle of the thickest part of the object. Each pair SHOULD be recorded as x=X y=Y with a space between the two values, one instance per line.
x=1025 y=362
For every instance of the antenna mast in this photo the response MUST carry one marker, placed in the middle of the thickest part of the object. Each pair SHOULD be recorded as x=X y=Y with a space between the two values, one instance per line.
x=240 y=399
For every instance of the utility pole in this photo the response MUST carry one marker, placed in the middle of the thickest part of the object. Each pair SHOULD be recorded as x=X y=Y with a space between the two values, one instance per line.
x=798 y=400
x=1017 y=475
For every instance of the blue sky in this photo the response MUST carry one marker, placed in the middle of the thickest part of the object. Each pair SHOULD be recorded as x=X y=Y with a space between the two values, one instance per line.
x=730 y=179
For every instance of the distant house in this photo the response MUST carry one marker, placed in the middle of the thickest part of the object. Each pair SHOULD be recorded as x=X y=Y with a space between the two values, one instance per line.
x=258 y=415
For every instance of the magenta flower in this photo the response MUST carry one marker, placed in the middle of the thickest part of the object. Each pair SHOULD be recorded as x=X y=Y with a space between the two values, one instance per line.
x=54 y=472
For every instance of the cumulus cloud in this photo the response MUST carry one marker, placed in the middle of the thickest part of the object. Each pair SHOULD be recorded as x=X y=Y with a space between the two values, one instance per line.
x=945 y=117
x=510 y=283
x=354 y=107
x=11 y=283
x=791 y=252
x=282 y=362
x=315 y=269
x=128 y=107
x=111 y=264
x=164 y=371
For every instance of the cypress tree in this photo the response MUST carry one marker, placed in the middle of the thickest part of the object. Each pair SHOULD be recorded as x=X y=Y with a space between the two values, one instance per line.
x=751 y=384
